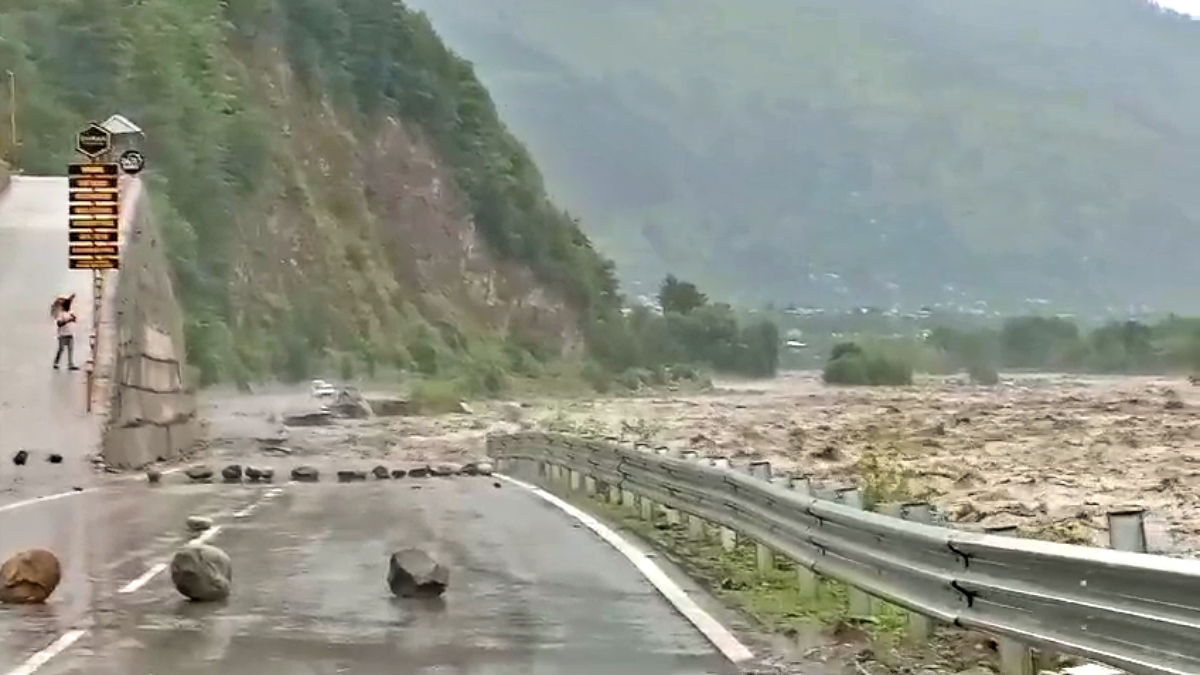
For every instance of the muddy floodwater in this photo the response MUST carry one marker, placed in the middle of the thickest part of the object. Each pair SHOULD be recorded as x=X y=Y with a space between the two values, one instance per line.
x=1050 y=453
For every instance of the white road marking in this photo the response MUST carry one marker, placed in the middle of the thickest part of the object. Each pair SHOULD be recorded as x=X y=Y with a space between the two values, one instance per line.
x=49 y=498
x=718 y=635
x=202 y=538
x=41 y=658
x=144 y=579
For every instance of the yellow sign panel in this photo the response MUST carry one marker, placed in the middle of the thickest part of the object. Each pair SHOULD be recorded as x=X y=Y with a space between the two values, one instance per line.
x=94 y=216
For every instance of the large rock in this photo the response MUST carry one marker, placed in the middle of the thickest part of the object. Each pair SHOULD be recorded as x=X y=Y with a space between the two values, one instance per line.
x=29 y=577
x=312 y=419
x=198 y=523
x=305 y=474
x=199 y=474
x=392 y=407
x=202 y=572
x=232 y=473
x=350 y=403
x=413 y=573
x=351 y=476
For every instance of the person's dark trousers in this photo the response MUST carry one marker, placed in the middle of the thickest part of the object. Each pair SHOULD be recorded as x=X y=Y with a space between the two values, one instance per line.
x=66 y=343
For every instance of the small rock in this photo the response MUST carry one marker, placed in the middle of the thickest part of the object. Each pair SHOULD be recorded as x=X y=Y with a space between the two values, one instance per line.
x=202 y=572
x=232 y=473
x=485 y=468
x=253 y=474
x=496 y=484
x=199 y=473
x=153 y=476
x=444 y=469
x=419 y=472
x=29 y=577
x=21 y=457
x=351 y=476
x=55 y=458
x=464 y=408
x=198 y=523
x=1174 y=404
x=413 y=573
x=381 y=473
x=399 y=473
x=305 y=474
x=267 y=475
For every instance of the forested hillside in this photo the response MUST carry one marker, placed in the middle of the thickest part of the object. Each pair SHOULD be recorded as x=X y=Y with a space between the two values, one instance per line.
x=338 y=192
x=862 y=152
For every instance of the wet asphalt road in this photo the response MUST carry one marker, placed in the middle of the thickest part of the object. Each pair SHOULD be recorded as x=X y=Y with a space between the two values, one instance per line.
x=41 y=410
x=530 y=591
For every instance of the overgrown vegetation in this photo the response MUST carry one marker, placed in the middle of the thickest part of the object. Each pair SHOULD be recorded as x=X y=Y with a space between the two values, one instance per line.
x=283 y=265
x=851 y=364
x=1024 y=343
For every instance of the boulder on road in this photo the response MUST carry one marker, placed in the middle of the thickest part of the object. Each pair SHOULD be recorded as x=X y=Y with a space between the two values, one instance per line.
x=305 y=474
x=198 y=523
x=478 y=469
x=413 y=573
x=153 y=475
x=347 y=476
x=253 y=474
x=312 y=419
x=445 y=469
x=199 y=473
x=21 y=457
x=232 y=473
x=29 y=577
x=399 y=473
x=381 y=472
x=267 y=475
x=202 y=572
x=54 y=458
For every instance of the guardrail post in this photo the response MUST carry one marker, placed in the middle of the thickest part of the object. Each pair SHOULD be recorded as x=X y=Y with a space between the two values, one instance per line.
x=763 y=555
x=695 y=524
x=806 y=580
x=920 y=627
x=589 y=485
x=576 y=479
x=1127 y=529
x=728 y=536
x=859 y=602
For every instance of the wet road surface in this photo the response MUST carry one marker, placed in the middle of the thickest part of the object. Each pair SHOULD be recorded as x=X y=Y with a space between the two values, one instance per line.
x=41 y=410
x=530 y=591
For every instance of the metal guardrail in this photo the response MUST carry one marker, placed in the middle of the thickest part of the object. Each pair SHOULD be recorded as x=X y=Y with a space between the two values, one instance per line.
x=1133 y=611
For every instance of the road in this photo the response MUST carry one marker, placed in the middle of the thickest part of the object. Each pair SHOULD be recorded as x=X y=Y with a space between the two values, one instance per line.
x=531 y=591
x=41 y=410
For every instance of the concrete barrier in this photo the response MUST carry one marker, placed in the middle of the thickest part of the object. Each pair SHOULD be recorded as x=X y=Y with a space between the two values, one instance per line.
x=149 y=412
x=5 y=177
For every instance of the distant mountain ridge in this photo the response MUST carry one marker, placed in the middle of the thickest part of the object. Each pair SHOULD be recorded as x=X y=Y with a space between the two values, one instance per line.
x=857 y=152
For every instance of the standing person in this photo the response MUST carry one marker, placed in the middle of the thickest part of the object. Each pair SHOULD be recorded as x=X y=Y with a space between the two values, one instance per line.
x=65 y=319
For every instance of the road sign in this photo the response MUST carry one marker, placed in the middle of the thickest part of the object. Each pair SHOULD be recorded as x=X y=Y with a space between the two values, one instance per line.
x=94 y=213
x=132 y=162
x=94 y=141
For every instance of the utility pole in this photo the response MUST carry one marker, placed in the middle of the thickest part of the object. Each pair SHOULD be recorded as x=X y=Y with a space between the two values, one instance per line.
x=12 y=118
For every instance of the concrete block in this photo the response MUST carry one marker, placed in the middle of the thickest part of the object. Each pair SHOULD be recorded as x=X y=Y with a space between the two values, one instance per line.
x=135 y=447
x=158 y=345
x=145 y=407
x=183 y=437
x=152 y=375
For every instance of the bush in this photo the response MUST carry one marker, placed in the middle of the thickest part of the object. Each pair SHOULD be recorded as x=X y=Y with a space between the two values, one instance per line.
x=850 y=364
x=983 y=373
x=434 y=397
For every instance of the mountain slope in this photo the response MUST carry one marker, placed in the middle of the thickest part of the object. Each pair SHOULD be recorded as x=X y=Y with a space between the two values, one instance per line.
x=861 y=152
x=337 y=189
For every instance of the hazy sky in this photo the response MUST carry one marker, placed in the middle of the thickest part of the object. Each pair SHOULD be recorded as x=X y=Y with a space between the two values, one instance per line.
x=1183 y=6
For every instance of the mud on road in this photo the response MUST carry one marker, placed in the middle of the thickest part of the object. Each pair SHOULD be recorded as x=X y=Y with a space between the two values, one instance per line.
x=1050 y=453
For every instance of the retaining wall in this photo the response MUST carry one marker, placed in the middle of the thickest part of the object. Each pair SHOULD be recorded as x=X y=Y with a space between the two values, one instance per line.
x=150 y=413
